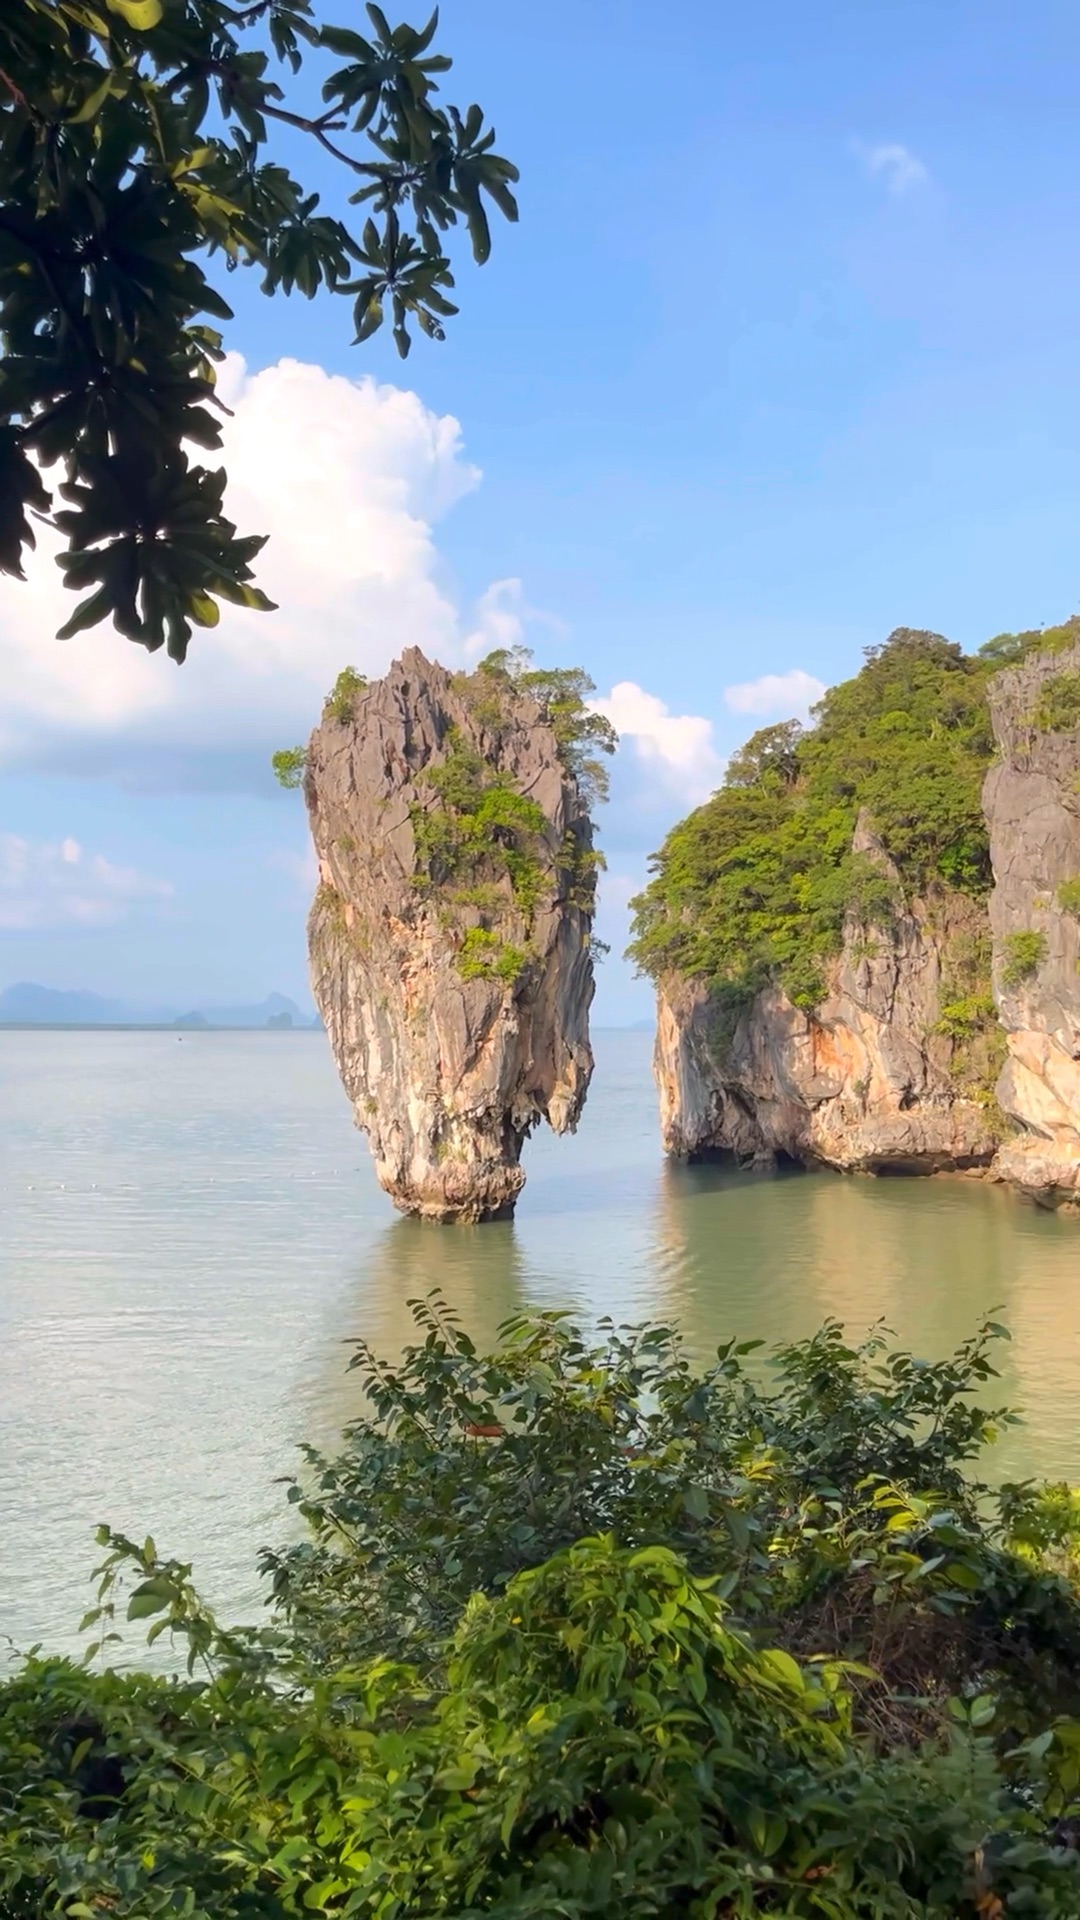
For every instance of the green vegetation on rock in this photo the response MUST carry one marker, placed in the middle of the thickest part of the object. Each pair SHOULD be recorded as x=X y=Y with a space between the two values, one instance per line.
x=1068 y=897
x=1009 y=649
x=474 y=831
x=288 y=765
x=481 y=830
x=479 y=817
x=1058 y=707
x=484 y=956
x=341 y=699
x=755 y=886
x=577 y=1629
x=1023 y=955
x=562 y=695
x=289 y=762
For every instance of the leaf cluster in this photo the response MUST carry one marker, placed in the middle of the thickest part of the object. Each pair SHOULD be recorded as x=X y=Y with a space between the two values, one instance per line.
x=545 y=1650
x=756 y=885
x=484 y=955
x=340 y=702
x=562 y=695
x=1022 y=955
x=135 y=145
x=288 y=765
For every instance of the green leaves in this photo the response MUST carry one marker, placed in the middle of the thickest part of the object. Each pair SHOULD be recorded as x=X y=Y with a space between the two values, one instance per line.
x=140 y=14
x=134 y=148
x=528 y=1677
x=21 y=493
x=288 y=765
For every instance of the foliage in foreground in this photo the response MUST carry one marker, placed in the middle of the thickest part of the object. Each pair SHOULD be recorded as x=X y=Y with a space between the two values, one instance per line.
x=578 y=1630
x=137 y=138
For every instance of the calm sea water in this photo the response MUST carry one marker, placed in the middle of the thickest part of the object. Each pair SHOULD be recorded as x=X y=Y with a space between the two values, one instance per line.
x=190 y=1230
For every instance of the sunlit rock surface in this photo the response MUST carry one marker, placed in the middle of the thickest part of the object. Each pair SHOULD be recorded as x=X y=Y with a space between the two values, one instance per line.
x=447 y=1075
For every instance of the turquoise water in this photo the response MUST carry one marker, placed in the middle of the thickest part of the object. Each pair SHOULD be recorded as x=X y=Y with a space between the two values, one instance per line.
x=190 y=1230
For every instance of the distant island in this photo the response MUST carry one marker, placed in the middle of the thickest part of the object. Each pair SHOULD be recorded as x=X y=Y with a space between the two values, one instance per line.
x=28 y=1005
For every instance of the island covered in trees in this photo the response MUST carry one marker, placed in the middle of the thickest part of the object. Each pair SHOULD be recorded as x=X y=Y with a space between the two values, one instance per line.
x=866 y=944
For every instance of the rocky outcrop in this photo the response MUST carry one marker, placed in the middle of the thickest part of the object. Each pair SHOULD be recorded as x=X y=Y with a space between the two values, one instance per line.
x=450 y=934
x=867 y=1081
x=1032 y=805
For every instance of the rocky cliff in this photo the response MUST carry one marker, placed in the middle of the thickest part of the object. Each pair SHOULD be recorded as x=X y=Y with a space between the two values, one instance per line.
x=1032 y=804
x=450 y=933
x=871 y=1079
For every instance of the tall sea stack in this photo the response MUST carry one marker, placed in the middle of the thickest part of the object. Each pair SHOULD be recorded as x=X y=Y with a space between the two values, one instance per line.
x=450 y=933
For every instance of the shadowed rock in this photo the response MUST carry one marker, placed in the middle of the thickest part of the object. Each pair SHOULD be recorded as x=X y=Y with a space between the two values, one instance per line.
x=1032 y=805
x=450 y=933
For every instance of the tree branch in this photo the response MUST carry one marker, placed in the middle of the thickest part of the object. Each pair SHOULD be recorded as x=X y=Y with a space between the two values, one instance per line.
x=317 y=127
x=16 y=93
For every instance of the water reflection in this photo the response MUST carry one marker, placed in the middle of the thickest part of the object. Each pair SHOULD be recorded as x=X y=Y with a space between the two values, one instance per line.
x=738 y=1255
x=479 y=1271
x=178 y=1275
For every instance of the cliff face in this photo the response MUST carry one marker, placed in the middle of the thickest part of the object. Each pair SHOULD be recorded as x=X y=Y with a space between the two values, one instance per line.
x=449 y=936
x=1032 y=804
x=866 y=1081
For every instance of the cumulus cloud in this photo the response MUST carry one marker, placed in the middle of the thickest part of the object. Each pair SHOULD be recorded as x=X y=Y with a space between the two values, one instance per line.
x=788 y=695
x=677 y=748
x=350 y=479
x=47 y=884
x=895 y=166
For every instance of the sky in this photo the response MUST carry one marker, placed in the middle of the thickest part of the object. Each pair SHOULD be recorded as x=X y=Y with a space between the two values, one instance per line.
x=782 y=355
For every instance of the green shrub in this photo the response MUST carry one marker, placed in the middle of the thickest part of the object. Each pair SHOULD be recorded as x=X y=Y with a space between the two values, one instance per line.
x=486 y=956
x=578 y=1630
x=961 y=1018
x=289 y=765
x=1058 y=706
x=1023 y=955
x=341 y=699
x=479 y=826
x=1068 y=897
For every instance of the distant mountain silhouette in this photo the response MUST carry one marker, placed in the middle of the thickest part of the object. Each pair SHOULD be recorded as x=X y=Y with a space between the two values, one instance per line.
x=27 y=1004
x=46 y=1006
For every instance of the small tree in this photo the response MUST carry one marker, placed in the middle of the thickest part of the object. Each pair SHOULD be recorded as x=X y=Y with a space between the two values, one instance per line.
x=134 y=141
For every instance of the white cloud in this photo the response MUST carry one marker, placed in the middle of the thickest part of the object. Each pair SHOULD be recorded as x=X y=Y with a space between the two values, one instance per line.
x=503 y=618
x=349 y=478
x=788 y=695
x=58 y=884
x=676 y=747
x=896 y=166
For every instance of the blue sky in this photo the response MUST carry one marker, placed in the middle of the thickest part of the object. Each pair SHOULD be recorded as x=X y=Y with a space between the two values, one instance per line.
x=783 y=354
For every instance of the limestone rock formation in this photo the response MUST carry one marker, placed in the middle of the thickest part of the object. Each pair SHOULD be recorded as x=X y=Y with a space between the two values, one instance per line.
x=450 y=933
x=867 y=1081
x=1032 y=805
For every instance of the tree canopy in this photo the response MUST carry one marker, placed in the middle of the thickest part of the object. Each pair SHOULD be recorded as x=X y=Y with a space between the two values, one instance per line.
x=754 y=886
x=135 y=147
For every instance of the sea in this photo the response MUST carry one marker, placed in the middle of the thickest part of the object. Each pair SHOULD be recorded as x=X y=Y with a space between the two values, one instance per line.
x=191 y=1235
